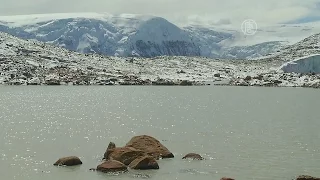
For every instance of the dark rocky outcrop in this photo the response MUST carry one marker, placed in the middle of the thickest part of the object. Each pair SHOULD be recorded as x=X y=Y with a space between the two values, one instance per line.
x=144 y=163
x=150 y=145
x=68 y=161
x=112 y=166
x=193 y=156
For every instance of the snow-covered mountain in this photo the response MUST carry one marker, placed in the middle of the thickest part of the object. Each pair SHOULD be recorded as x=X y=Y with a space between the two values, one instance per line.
x=150 y=36
x=117 y=35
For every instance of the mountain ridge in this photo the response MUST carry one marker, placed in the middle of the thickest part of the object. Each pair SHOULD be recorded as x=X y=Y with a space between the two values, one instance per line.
x=141 y=36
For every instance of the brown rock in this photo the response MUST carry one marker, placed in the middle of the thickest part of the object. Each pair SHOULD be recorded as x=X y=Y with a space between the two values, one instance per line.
x=305 y=177
x=112 y=166
x=193 y=156
x=111 y=146
x=124 y=154
x=150 y=145
x=225 y=178
x=144 y=163
x=68 y=161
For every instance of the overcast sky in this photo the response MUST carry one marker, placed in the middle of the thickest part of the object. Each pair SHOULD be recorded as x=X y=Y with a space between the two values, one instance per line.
x=269 y=11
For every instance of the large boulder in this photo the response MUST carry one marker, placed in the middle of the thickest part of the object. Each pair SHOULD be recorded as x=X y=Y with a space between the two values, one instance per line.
x=123 y=154
x=150 y=145
x=68 y=161
x=305 y=177
x=112 y=166
x=144 y=163
x=193 y=156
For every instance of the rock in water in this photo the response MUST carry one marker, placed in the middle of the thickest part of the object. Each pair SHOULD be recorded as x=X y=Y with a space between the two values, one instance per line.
x=111 y=146
x=305 y=177
x=124 y=154
x=144 y=163
x=225 y=178
x=112 y=166
x=193 y=156
x=151 y=146
x=68 y=161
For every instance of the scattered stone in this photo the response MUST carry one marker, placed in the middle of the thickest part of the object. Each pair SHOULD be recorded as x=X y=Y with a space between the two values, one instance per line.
x=277 y=81
x=305 y=177
x=163 y=82
x=248 y=78
x=51 y=82
x=150 y=145
x=193 y=156
x=68 y=161
x=181 y=72
x=259 y=77
x=217 y=75
x=144 y=163
x=112 y=166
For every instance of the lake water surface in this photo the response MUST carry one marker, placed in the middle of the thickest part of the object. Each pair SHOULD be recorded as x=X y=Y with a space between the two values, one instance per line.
x=243 y=132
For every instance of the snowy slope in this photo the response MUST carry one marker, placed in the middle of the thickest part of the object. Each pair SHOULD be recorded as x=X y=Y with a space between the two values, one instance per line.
x=303 y=48
x=309 y=64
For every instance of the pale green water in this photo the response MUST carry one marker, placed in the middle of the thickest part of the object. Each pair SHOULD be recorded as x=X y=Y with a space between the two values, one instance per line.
x=245 y=133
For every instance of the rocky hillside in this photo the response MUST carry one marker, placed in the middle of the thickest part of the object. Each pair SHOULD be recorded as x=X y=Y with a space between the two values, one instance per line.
x=28 y=62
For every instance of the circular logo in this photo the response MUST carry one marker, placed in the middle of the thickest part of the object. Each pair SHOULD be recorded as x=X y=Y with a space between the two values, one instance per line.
x=249 y=27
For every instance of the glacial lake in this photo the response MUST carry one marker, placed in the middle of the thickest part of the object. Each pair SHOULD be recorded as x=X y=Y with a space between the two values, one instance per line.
x=246 y=133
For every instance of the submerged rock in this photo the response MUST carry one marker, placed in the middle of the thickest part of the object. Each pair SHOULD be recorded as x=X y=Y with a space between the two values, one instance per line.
x=68 y=161
x=150 y=145
x=193 y=156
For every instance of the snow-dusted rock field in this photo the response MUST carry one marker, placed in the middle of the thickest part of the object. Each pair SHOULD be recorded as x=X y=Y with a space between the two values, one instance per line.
x=27 y=62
